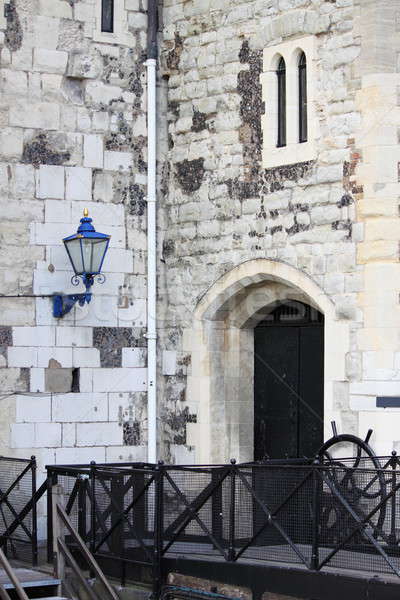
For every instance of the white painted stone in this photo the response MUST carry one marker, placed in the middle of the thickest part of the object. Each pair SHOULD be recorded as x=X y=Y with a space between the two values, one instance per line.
x=135 y=314
x=169 y=362
x=80 y=407
x=115 y=161
x=32 y=409
x=74 y=336
x=96 y=434
x=86 y=357
x=22 y=435
x=51 y=182
x=70 y=456
x=63 y=356
x=93 y=151
x=34 y=336
x=37 y=383
x=134 y=357
x=120 y=380
x=68 y=435
x=22 y=357
x=78 y=183
x=47 y=435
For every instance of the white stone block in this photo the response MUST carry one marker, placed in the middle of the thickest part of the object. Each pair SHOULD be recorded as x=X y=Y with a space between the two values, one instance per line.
x=99 y=434
x=63 y=356
x=126 y=454
x=85 y=357
x=120 y=380
x=169 y=362
x=22 y=357
x=37 y=383
x=67 y=408
x=115 y=161
x=47 y=435
x=101 y=312
x=118 y=261
x=51 y=182
x=22 y=435
x=55 y=8
x=49 y=234
x=93 y=151
x=58 y=211
x=50 y=61
x=102 y=213
x=11 y=142
x=39 y=115
x=74 y=336
x=74 y=456
x=68 y=434
x=79 y=183
x=31 y=409
x=86 y=380
x=24 y=185
x=100 y=93
x=34 y=336
x=134 y=357
x=134 y=315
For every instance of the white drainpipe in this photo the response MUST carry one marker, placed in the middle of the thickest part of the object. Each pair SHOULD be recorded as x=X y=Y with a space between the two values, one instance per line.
x=152 y=238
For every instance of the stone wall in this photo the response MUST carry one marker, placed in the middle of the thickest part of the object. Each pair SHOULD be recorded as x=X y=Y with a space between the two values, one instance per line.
x=224 y=209
x=73 y=136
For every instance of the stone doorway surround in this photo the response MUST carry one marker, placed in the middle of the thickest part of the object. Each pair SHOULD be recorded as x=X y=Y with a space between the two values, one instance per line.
x=221 y=341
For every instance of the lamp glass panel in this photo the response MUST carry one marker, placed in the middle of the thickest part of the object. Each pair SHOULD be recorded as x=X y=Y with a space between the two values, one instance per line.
x=93 y=252
x=74 y=249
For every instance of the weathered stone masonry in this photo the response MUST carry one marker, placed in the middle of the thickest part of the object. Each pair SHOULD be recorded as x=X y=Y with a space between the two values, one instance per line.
x=224 y=209
x=73 y=136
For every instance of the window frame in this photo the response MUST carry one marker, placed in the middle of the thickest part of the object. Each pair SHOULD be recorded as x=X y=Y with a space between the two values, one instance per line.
x=303 y=116
x=107 y=24
x=281 y=89
x=294 y=151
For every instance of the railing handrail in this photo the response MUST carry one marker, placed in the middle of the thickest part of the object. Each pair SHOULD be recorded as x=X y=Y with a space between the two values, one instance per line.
x=13 y=578
x=92 y=563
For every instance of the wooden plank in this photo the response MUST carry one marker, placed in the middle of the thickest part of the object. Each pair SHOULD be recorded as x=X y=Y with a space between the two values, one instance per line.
x=88 y=556
x=12 y=576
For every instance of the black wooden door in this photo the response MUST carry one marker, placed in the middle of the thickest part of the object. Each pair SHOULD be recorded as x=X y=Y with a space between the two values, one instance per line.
x=289 y=384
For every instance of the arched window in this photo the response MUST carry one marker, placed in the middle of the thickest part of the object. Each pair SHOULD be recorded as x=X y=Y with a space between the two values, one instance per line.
x=302 y=98
x=281 y=76
x=107 y=16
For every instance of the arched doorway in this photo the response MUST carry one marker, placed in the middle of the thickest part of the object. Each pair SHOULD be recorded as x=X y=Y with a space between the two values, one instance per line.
x=221 y=342
x=289 y=382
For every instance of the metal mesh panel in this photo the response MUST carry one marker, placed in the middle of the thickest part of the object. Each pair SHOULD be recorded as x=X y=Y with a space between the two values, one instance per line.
x=343 y=513
x=16 y=487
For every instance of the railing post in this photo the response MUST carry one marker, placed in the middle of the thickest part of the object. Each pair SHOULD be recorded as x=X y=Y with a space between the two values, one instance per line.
x=92 y=506
x=216 y=508
x=58 y=533
x=315 y=514
x=158 y=527
x=51 y=482
x=34 y=513
x=231 y=549
x=392 y=535
x=82 y=490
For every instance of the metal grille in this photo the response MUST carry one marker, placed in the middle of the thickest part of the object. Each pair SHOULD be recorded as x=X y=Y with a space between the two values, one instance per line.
x=18 y=523
x=341 y=513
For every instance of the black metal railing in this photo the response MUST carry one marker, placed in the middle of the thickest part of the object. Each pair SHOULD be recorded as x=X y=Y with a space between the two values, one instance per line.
x=318 y=514
x=19 y=496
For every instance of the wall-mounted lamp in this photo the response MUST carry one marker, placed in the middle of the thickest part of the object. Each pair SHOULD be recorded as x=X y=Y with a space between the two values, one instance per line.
x=86 y=250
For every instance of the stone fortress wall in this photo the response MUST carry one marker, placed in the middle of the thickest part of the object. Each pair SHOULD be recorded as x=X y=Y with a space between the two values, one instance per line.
x=73 y=136
x=234 y=233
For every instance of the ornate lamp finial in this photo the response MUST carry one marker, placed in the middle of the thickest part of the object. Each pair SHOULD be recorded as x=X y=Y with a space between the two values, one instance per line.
x=85 y=212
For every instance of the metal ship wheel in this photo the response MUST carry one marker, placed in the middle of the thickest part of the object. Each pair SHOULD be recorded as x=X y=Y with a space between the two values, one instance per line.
x=359 y=479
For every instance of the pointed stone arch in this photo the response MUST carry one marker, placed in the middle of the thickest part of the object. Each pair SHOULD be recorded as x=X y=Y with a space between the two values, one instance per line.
x=221 y=342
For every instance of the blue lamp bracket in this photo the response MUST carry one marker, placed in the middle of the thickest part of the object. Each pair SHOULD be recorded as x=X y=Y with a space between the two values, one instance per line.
x=63 y=304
